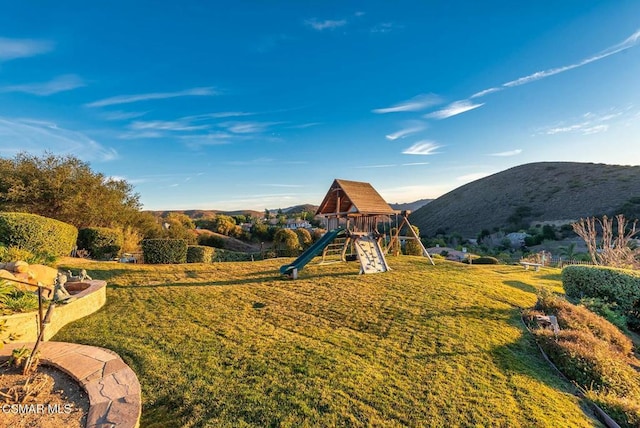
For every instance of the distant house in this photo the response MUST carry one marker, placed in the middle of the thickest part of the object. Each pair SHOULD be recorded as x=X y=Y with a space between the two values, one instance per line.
x=517 y=238
x=297 y=224
x=246 y=226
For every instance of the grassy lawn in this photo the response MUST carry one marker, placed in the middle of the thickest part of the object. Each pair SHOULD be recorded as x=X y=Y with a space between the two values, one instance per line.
x=232 y=344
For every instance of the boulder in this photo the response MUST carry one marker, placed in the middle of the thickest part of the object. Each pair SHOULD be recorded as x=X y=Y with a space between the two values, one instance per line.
x=18 y=266
x=6 y=274
x=43 y=274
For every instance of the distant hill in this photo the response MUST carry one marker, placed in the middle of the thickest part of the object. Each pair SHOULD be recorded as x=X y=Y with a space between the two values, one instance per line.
x=196 y=214
x=544 y=191
x=411 y=206
x=300 y=208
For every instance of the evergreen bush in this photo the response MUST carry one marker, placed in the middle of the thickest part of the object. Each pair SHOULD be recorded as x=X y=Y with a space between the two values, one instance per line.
x=102 y=242
x=164 y=251
x=37 y=234
x=199 y=254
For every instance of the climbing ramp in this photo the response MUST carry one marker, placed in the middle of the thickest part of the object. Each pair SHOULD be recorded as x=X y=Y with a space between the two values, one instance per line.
x=370 y=255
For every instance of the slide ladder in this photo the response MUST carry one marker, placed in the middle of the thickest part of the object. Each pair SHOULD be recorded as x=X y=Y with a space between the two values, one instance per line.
x=370 y=255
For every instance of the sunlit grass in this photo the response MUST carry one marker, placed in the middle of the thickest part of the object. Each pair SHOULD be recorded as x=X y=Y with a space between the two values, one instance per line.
x=233 y=344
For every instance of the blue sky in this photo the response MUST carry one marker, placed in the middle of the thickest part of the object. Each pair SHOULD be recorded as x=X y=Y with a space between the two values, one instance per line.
x=247 y=105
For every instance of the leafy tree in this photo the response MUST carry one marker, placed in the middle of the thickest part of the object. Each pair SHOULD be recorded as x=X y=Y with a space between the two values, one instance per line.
x=411 y=247
x=286 y=242
x=65 y=188
x=224 y=224
x=304 y=238
x=179 y=226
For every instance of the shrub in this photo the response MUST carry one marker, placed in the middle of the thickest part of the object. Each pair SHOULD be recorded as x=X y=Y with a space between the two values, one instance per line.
x=580 y=318
x=12 y=254
x=625 y=411
x=618 y=286
x=485 y=260
x=606 y=310
x=199 y=254
x=593 y=353
x=102 y=242
x=164 y=251
x=40 y=235
x=286 y=242
x=13 y=299
x=220 y=255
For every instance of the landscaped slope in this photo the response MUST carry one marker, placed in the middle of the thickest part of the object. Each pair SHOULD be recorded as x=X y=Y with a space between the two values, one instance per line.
x=232 y=344
x=533 y=192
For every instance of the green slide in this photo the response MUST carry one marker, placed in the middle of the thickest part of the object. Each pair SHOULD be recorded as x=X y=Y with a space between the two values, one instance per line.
x=311 y=252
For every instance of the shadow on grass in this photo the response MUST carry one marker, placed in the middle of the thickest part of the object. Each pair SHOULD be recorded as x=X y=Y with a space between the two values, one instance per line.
x=521 y=286
x=552 y=277
x=523 y=357
x=245 y=281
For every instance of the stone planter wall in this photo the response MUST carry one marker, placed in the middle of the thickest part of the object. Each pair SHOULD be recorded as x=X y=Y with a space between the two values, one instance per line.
x=87 y=301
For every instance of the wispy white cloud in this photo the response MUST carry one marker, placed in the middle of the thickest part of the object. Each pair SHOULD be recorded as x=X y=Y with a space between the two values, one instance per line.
x=63 y=83
x=224 y=114
x=209 y=139
x=305 y=125
x=485 y=92
x=424 y=147
x=166 y=125
x=122 y=115
x=126 y=99
x=359 y=13
x=507 y=153
x=417 y=103
x=141 y=135
x=453 y=109
x=377 y=166
x=409 y=129
x=384 y=27
x=626 y=44
x=327 y=24
x=584 y=128
x=588 y=123
x=415 y=163
x=35 y=136
x=22 y=48
x=472 y=177
x=248 y=127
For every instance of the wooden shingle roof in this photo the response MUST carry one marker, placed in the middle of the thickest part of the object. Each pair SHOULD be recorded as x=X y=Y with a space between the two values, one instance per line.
x=355 y=197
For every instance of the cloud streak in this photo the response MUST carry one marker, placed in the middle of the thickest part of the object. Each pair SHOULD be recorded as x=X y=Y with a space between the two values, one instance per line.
x=22 y=48
x=127 y=99
x=326 y=24
x=417 y=103
x=411 y=128
x=454 y=109
x=507 y=153
x=424 y=147
x=62 y=83
x=36 y=136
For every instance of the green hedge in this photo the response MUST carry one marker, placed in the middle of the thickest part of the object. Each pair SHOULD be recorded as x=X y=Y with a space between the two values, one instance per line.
x=102 y=242
x=220 y=255
x=164 y=251
x=485 y=260
x=615 y=285
x=199 y=254
x=37 y=234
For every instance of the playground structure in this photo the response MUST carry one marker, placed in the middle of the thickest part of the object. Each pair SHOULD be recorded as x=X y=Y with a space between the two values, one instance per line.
x=353 y=210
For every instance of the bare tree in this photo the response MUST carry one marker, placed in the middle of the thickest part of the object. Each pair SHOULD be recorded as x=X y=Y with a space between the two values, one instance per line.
x=613 y=249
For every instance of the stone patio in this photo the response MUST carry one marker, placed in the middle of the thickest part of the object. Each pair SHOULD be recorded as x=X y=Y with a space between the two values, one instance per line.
x=112 y=387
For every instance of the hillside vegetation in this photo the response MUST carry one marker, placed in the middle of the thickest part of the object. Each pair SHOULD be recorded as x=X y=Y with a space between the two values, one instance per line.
x=233 y=344
x=543 y=191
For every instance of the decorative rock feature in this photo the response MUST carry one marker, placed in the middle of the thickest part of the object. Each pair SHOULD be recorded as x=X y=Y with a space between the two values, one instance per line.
x=548 y=321
x=113 y=388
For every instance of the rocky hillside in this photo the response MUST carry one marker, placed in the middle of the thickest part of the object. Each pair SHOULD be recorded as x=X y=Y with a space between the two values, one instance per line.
x=543 y=191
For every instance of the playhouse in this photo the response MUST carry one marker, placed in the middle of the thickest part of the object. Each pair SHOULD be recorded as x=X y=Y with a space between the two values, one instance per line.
x=353 y=210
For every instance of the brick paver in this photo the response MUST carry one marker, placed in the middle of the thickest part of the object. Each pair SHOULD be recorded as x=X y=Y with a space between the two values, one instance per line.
x=113 y=388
